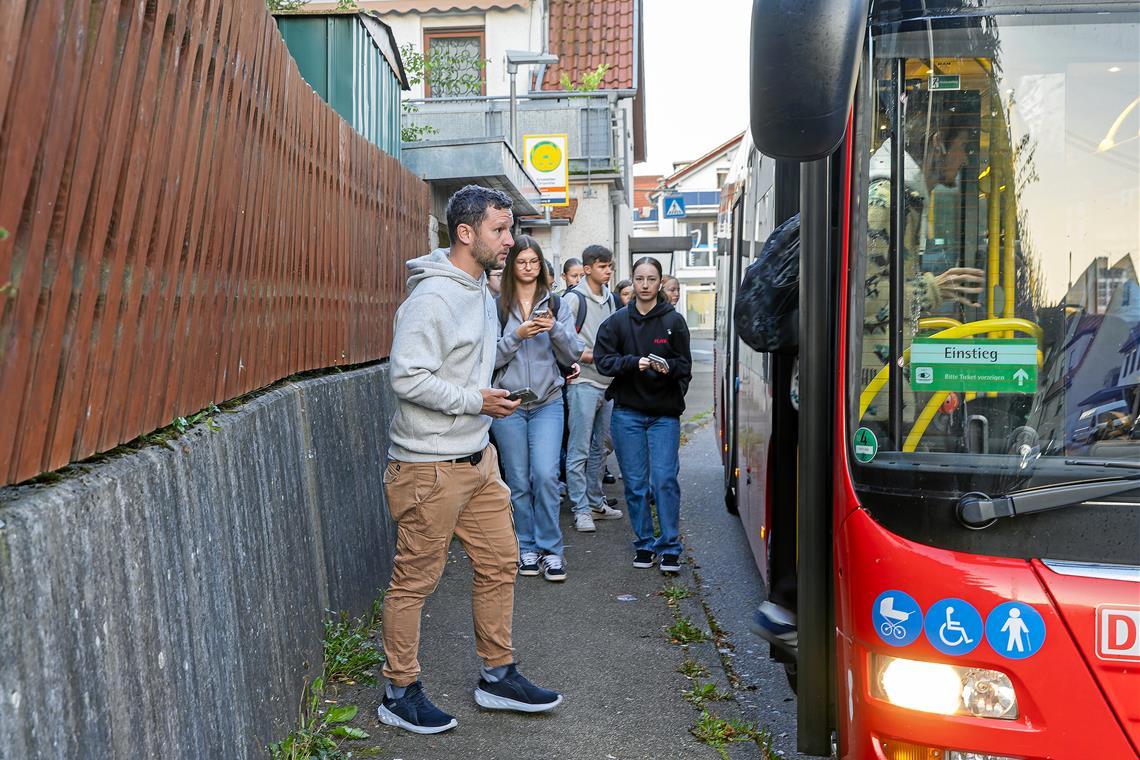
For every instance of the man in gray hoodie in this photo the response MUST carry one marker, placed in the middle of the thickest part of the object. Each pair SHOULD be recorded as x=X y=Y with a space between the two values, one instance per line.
x=443 y=477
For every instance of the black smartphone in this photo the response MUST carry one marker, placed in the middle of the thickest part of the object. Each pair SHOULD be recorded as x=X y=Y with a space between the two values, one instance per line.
x=525 y=395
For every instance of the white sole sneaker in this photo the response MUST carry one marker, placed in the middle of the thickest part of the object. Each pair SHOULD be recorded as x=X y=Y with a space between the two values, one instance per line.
x=582 y=526
x=492 y=702
x=389 y=718
x=609 y=513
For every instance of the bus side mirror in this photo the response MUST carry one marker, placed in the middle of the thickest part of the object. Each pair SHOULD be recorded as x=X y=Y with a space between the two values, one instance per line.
x=805 y=55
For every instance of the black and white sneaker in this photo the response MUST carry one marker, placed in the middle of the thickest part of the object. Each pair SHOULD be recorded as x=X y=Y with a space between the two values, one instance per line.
x=644 y=558
x=514 y=692
x=528 y=563
x=553 y=568
x=670 y=563
x=414 y=712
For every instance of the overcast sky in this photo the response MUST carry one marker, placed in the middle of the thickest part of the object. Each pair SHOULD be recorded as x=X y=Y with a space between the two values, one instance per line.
x=696 y=77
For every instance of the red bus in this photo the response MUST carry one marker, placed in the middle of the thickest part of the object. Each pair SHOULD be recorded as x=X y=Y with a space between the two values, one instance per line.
x=955 y=503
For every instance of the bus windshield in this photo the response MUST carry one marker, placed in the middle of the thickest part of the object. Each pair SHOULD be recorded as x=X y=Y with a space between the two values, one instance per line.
x=995 y=245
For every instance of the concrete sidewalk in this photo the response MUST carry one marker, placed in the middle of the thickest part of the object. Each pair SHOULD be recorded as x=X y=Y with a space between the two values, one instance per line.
x=599 y=638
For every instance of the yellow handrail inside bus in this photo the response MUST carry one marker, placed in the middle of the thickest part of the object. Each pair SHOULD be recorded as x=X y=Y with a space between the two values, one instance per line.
x=957 y=331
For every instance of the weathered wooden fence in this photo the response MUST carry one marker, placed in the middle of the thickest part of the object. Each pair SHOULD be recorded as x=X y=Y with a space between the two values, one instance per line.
x=186 y=221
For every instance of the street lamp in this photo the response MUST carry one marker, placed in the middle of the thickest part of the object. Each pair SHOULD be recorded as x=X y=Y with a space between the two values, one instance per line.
x=516 y=58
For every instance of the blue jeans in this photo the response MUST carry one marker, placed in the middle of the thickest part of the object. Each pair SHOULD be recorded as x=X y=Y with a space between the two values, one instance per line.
x=647 y=452
x=585 y=450
x=528 y=443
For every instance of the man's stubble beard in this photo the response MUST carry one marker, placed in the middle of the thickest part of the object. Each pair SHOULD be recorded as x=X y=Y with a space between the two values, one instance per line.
x=484 y=255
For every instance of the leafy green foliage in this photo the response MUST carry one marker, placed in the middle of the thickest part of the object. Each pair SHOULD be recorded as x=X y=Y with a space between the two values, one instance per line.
x=718 y=732
x=692 y=669
x=705 y=692
x=319 y=732
x=351 y=653
x=588 y=81
x=675 y=592
x=684 y=632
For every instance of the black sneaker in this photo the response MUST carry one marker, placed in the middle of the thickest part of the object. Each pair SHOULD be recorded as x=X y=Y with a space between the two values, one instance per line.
x=414 y=712
x=609 y=478
x=553 y=569
x=670 y=563
x=528 y=563
x=643 y=558
x=514 y=692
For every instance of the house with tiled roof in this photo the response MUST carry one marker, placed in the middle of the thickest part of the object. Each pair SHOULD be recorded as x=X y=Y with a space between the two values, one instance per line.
x=460 y=110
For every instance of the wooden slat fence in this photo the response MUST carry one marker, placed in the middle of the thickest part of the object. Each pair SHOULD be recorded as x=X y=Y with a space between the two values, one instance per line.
x=187 y=221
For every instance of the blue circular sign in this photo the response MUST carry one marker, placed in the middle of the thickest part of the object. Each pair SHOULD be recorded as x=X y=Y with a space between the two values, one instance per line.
x=897 y=618
x=1015 y=630
x=953 y=626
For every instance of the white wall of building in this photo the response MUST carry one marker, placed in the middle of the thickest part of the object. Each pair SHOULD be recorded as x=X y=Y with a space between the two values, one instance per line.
x=518 y=28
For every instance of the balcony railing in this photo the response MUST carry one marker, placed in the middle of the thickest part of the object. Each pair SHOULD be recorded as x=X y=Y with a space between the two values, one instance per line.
x=594 y=124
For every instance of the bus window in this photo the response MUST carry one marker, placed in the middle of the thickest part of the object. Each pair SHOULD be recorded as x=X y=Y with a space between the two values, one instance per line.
x=996 y=240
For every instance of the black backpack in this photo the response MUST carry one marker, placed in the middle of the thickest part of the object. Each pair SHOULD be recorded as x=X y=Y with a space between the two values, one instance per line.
x=580 y=317
x=767 y=309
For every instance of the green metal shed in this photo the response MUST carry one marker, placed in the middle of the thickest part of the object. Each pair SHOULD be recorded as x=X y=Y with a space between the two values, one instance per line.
x=352 y=61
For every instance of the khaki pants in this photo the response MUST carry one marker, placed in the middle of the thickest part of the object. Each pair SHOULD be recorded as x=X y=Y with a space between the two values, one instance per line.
x=430 y=501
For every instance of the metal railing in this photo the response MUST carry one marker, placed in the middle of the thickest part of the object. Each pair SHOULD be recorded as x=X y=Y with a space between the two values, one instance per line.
x=593 y=123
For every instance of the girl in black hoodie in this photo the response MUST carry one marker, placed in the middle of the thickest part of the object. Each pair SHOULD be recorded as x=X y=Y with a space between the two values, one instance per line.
x=648 y=401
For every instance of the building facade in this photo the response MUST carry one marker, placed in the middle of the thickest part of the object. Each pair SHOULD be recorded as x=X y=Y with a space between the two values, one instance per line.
x=464 y=95
x=685 y=204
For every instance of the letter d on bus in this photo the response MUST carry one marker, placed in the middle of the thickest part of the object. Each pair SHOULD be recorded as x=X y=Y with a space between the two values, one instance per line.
x=1118 y=633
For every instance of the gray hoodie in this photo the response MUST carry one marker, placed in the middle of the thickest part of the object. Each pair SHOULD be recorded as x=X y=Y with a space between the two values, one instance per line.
x=531 y=363
x=443 y=353
x=598 y=310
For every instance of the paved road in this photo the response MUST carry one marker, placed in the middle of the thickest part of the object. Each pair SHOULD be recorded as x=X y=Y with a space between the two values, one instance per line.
x=600 y=638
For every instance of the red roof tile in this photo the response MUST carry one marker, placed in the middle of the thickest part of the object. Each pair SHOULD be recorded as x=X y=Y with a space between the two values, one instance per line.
x=556 y=212
x=585 y=34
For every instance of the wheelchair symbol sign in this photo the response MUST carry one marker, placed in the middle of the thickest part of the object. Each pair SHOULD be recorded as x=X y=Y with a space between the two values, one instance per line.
x=897 y=618
x=953 y=626
x=1015 y=630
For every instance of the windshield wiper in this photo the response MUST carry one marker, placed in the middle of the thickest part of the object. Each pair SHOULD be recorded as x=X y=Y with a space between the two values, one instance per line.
x=976 y=510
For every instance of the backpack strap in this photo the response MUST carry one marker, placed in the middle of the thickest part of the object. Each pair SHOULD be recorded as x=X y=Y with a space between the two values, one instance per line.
x=580 y=314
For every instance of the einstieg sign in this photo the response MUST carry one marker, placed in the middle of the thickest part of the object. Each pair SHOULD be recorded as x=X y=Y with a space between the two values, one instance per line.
x=547 y=159
x=1006 y=365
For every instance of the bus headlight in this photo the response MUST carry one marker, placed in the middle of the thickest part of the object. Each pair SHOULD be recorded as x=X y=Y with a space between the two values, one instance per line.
x=944 y=689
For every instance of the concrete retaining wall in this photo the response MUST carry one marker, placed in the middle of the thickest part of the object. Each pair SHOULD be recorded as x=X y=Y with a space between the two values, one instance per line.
x=168 y=602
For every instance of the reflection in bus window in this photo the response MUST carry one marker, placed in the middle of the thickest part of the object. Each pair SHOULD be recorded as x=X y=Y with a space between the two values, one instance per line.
x=1002 y=161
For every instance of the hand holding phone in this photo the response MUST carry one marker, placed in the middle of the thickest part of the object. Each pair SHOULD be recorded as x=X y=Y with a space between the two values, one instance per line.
x=658 y=364
x=523 y=396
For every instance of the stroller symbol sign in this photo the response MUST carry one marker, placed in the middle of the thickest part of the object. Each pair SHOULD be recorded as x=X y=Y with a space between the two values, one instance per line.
x=897 y=618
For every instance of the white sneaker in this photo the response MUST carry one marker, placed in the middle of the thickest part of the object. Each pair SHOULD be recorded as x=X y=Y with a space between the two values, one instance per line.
x=584 y=523
x=552 y=568
x=606 y=513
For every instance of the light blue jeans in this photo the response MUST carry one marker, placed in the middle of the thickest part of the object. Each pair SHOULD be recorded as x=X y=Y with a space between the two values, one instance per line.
x=585 y=449
x=648 y=453
x=529 y=443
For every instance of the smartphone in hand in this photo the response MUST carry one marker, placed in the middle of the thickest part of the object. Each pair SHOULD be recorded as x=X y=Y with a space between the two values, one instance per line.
x=522 y=395
x=658 y=363
x=540 y=313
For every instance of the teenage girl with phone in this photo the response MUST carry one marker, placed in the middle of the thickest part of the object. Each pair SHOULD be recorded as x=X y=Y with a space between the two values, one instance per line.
x=537 y=335
x=645 y=348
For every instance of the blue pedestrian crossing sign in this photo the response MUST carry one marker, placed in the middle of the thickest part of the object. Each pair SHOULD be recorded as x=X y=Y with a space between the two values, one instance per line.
x=1015 y=630
x=674 y=207
x=953 y=627
x=897 y=618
